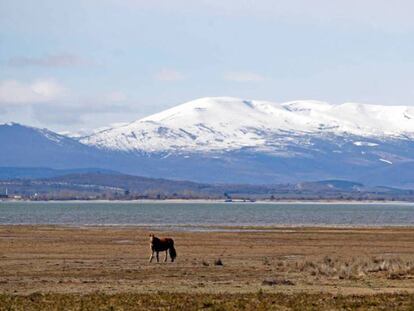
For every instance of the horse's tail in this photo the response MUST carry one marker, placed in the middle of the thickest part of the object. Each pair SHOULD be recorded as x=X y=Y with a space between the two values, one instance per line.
x=173 y=252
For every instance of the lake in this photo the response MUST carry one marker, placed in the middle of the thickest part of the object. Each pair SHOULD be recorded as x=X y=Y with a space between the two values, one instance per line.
x=201 y=215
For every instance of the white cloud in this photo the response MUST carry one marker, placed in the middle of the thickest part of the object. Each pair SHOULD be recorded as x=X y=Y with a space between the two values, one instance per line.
x=169 y=75
x=55 y=60
x=39 y=91
x=243 y=77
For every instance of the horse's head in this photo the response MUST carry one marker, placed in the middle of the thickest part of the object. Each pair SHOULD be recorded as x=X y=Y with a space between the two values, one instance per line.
x=151 y=236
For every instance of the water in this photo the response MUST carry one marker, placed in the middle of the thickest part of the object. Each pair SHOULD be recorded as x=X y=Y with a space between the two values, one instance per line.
x=199 y=215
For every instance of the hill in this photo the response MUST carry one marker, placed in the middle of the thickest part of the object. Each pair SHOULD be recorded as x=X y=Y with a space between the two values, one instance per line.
x=126 y=187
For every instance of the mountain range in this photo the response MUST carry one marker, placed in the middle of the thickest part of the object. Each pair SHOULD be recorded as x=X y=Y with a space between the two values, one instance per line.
x=231 y=140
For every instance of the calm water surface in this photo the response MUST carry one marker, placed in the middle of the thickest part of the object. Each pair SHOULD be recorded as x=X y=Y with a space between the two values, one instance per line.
x=206 y=214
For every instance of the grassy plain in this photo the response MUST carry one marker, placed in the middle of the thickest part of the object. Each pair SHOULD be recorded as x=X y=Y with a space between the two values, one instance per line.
x=52 y=267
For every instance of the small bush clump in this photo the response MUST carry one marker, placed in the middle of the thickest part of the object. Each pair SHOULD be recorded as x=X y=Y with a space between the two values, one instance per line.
x=354 y=269
x=272 y=282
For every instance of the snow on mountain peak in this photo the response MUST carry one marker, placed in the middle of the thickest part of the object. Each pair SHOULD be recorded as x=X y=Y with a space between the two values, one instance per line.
x=227 y=123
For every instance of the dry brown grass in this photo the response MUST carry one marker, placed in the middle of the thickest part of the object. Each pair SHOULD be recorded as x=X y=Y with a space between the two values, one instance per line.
x=258 y=301
x=352 y=269
x=115 y=260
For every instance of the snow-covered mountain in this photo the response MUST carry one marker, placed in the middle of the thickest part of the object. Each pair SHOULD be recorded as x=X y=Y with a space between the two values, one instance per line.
x=228 y=124
x=230 y=140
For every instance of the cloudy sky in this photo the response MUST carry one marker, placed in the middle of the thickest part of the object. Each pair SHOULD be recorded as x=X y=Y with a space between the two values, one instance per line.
x=84 y=64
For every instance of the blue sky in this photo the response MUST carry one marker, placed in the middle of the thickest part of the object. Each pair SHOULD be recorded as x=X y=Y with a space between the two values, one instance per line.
x=79 y=65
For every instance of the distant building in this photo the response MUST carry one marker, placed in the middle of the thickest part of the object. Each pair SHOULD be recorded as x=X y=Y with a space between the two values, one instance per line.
x=4 y=195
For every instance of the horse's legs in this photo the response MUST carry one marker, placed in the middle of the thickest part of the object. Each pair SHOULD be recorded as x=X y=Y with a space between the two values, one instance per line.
x=166 y=255
x=158 y=258
x=152 y=256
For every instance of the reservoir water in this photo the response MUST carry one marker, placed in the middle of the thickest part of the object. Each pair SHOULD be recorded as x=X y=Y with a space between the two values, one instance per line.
x=206 y=215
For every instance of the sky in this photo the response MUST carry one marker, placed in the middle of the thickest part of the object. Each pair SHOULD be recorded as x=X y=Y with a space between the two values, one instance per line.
x=75 y=66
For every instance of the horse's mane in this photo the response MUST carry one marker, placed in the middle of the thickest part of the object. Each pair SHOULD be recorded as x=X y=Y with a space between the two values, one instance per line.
x=155 y=239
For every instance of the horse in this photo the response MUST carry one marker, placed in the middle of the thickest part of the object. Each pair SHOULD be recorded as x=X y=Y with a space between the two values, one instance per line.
x=158 y=245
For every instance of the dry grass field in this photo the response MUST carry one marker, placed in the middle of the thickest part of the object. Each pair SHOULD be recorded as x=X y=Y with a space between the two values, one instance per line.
x=179 y=301
x=42 y=267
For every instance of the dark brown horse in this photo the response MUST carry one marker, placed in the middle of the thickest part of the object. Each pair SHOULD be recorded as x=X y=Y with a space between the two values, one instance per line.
x=160 y=245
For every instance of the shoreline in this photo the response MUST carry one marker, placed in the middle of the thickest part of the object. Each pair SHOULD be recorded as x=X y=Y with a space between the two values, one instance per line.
x=214 y=201
x=210 y=228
